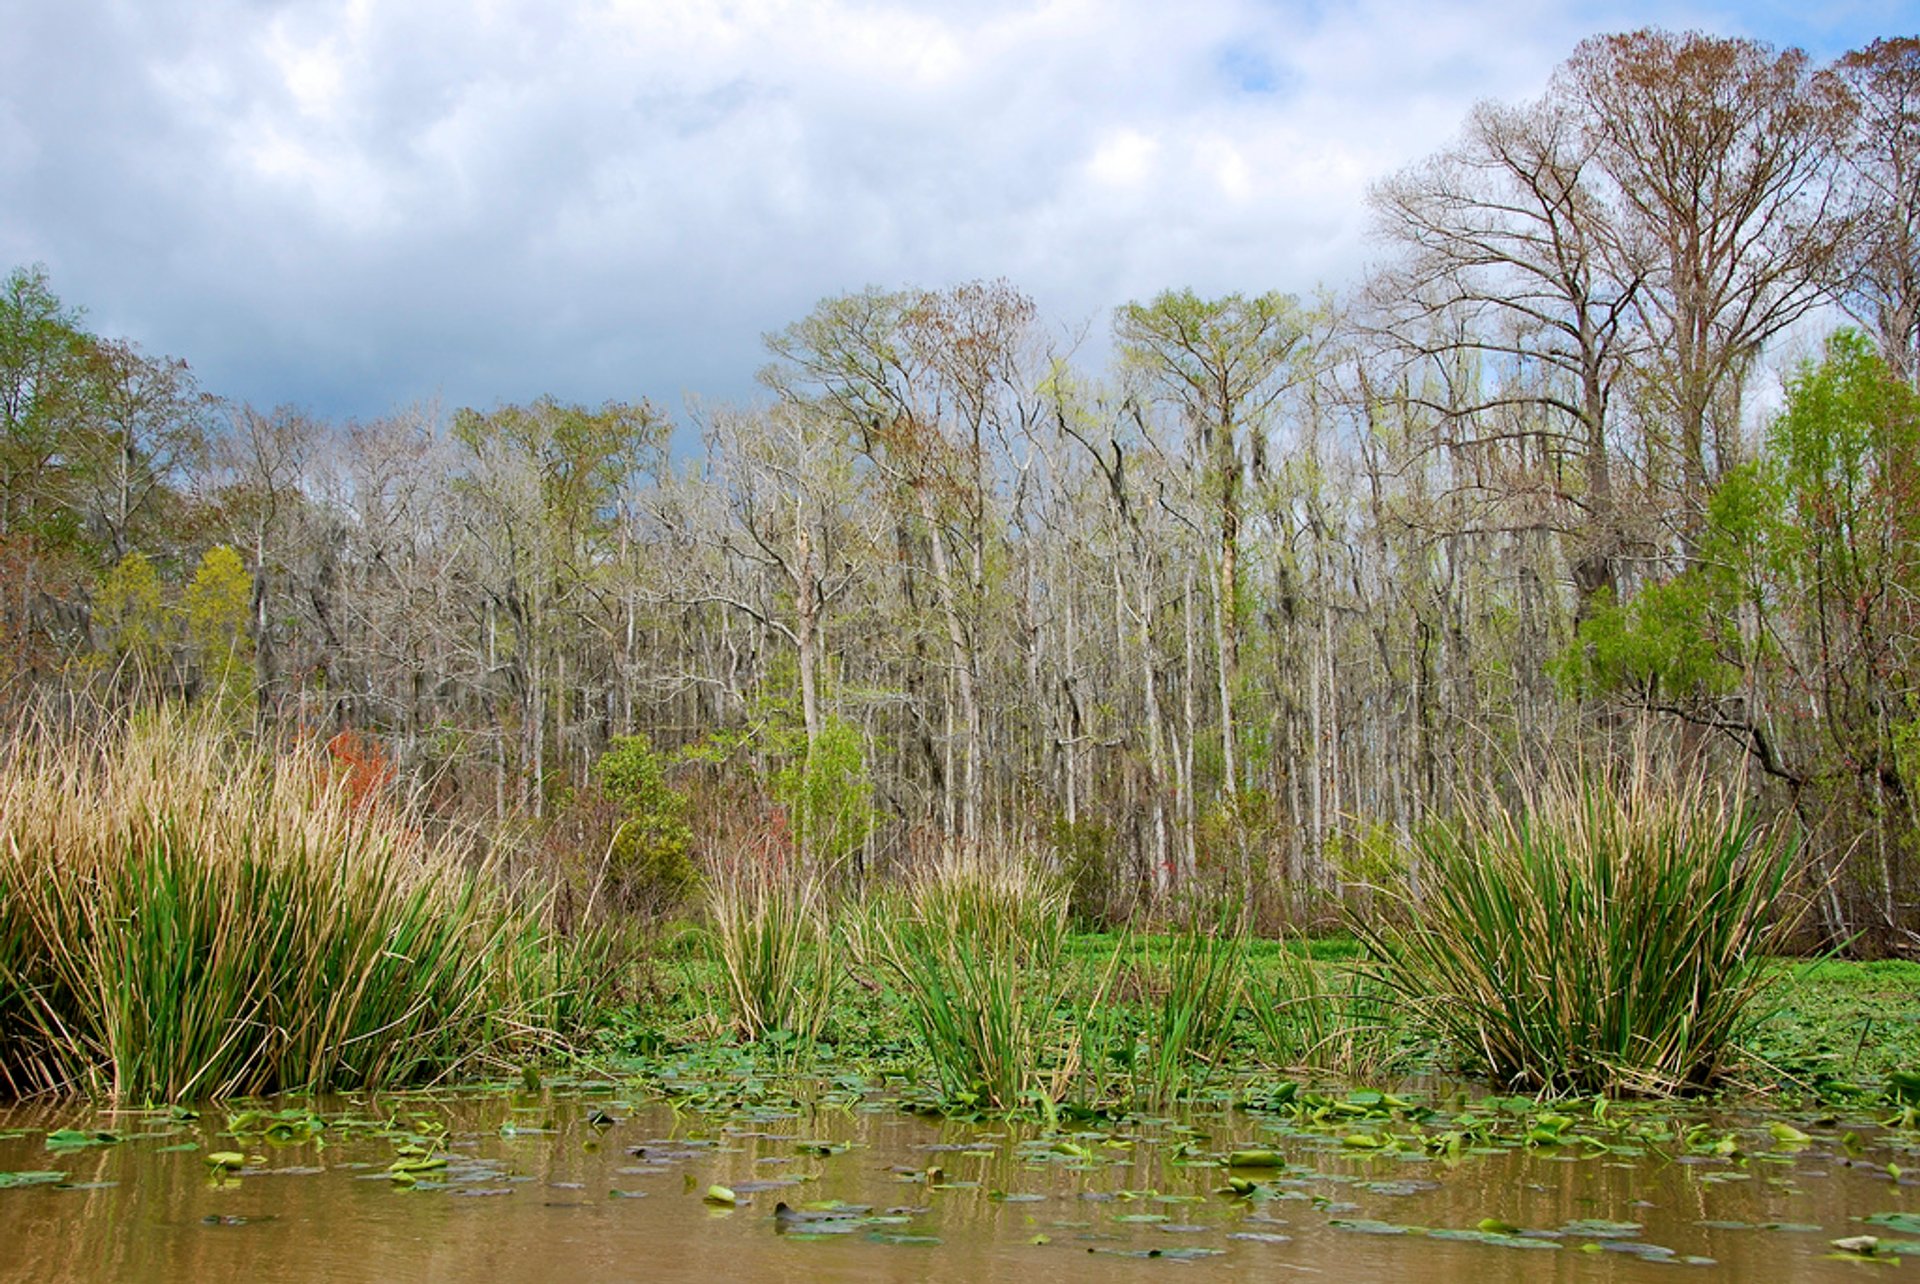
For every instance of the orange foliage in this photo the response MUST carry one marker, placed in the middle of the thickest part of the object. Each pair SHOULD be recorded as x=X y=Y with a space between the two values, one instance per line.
x=361 y=762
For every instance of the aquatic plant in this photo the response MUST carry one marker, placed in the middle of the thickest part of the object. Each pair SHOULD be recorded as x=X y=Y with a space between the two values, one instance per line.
x=767 y=911
x=1334 y=1017
x=1198 y=994
x=1604 y=936
x=182 y=915
x=977 y=948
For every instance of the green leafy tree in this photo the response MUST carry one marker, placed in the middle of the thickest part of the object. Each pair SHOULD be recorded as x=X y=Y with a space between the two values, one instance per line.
x=216 y=608
x=44 y=405
x=1796 y=632
x=828 y=793
x=1225 y=363
x=129 y=616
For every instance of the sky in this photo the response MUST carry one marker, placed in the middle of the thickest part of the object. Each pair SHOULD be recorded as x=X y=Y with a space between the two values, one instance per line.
x=353 y=206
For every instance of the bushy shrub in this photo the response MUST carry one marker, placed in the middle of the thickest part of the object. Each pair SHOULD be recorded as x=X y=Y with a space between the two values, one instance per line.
x=648 y=867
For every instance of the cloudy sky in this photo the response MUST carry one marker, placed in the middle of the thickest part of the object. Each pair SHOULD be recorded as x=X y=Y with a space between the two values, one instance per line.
x=355 y=204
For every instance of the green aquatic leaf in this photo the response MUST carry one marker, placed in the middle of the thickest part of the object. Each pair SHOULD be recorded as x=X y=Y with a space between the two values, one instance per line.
x=1256 y=1159
x=11 y=1180
x=226 y=1159
x=417 y=1164
x=76 y=1138
x=718 y=1194
x=1601 y=1228
x=1495 y=1238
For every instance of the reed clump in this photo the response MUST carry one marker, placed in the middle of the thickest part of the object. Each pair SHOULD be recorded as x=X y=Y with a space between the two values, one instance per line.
x=1334 y=1018
x=976 y=947
x=1193 y=1001
x=182 y=915
x=767 y=910
x=1602 y=937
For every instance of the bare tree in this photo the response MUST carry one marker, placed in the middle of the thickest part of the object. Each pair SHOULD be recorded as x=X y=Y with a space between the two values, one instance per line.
x=1513 y=232
x=1721 y=153
x=1881 y=284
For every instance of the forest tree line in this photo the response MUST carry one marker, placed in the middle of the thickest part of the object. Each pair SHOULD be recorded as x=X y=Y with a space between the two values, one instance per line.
x=1281 y=581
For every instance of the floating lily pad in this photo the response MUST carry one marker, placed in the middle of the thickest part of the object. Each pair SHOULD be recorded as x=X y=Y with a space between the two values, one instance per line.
x=76 y=1138
x=1494 y=1238
x=1601 y=1228
x=10 y=1180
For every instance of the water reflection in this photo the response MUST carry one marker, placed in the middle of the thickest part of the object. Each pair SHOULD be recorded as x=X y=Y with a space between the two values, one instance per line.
x=586 y=1187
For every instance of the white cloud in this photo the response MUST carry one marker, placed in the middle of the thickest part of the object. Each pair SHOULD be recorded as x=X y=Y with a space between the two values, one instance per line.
x=1123 y=159
x=353 y=202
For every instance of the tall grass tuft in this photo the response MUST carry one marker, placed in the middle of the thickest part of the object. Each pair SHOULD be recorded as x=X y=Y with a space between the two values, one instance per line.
x=1601 y=938
x=1198 y=995
x=977 y=947
x=182 y=916
x=767 y=909
x=1336 y=1018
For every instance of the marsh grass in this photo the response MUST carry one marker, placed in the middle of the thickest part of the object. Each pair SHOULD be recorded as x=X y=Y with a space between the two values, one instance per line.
x=776 y=949
x=1331 y=1017
x=184 y=916
x=976 y=948
x=1602 y=937
x=1195 y=999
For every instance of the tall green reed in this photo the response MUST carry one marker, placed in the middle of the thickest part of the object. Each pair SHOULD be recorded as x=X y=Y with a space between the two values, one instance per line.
x=1335 y=1018
x=767 y=910
x=1601 y=937
x=977 y=950
x=1193 y=1002
x=184 y=916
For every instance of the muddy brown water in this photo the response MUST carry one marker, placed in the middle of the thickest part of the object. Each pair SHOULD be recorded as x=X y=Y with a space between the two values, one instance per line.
x=589 y=1187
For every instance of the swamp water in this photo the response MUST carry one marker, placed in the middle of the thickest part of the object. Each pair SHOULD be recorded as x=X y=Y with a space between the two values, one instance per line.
x=579 y=1185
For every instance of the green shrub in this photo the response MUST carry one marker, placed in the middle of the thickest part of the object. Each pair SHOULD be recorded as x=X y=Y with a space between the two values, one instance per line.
x=1083 y=850
x=648 y=868
x=1596 y=939
x=828 y=793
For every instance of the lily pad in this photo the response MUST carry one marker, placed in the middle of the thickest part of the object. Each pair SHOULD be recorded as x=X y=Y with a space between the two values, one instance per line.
x=10 y=1180
x=76 y=1138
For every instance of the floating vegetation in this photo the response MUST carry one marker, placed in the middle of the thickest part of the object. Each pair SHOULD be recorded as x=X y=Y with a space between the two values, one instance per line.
x=1445 y=1173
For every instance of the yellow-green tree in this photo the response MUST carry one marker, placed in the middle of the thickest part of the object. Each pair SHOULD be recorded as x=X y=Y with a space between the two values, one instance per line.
x=216 y=607
x=129 y=617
